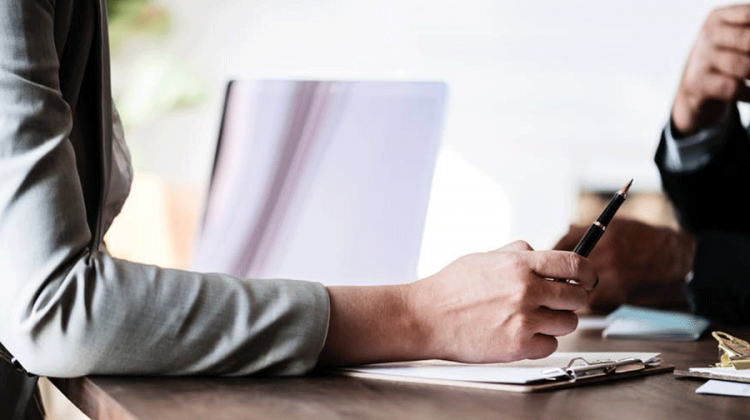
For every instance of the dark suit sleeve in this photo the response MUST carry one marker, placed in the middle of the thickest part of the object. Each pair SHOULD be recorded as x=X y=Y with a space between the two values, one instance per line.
x=711 y=203
x=714 y=196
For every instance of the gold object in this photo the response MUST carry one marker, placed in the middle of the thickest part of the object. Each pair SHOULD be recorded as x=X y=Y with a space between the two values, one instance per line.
x=732 y=351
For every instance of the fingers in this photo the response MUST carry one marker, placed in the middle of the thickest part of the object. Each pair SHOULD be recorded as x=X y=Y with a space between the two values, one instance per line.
x=500 y=306
x=555 y=323
x=563 y=265
x=725 y=61
x=735 y=38
x=561 y=296
x=722 y=87
x=540 y=346
x=738 y=14
x=715 y=72
x=544 y=325
x=732 y=64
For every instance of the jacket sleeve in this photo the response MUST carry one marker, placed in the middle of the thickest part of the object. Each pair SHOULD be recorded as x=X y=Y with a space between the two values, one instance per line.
x=69 y=310
x=713 y=196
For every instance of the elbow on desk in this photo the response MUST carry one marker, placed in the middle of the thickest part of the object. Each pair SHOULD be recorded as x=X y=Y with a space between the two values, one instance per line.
x=45 y=324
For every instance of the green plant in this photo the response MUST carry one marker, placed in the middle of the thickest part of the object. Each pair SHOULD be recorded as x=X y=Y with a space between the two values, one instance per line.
x=128 y=18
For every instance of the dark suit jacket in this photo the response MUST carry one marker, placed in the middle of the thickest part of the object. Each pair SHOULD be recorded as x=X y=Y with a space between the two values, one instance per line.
x=711 y=203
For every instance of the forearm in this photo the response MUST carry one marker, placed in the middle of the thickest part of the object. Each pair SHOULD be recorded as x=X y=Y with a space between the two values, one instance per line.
x=373 y=324
x=108 y=316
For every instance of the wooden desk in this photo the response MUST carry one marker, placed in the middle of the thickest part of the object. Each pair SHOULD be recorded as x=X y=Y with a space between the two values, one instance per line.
x=320 y=397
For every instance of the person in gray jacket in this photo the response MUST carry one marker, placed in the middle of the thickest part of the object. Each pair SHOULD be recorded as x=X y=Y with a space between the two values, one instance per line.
x=67 y=308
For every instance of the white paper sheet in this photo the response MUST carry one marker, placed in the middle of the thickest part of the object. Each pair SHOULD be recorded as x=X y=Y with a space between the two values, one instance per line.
x=522 y=372
x=715 y=387
x=724 y=371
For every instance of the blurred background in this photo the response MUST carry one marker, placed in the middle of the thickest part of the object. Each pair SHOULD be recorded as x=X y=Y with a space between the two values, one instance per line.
x=551 y=105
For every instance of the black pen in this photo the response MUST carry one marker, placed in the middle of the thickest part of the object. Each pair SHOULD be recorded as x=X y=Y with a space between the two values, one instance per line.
x=596 y=230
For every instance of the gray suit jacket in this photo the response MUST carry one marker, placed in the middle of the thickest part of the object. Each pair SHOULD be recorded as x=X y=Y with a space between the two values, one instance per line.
x=67 y=308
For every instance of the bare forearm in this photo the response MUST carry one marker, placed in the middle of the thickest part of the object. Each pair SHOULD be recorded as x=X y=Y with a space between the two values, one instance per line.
x=488 y=307
x=372 y=324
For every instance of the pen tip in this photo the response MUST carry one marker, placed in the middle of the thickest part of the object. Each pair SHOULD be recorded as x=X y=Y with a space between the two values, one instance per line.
x=624 y=190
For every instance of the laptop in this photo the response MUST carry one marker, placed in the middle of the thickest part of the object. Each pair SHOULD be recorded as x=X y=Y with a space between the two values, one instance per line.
x=321 y=180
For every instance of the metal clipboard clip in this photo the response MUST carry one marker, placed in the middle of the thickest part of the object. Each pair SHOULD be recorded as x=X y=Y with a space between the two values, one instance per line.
x=732 y=351
x=580 y=367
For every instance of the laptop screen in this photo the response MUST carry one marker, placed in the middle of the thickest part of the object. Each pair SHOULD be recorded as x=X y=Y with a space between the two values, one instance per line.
x=321 y=180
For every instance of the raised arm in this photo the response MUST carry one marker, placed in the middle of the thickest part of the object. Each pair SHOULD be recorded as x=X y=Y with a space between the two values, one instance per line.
x=715 y=72
x=706 y=128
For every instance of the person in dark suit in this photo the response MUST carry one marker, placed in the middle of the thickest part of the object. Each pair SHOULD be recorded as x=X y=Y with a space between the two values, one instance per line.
x=704 y=161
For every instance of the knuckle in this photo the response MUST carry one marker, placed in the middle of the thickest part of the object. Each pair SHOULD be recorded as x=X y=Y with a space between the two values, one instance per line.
x=516 y=262
x=712 y=28
x=712 y=16
x=559 y=292
x=575 y=263
x=708 y=30
x=525 y=322
x=723 y=88
x=523 y=245
x=524 y=292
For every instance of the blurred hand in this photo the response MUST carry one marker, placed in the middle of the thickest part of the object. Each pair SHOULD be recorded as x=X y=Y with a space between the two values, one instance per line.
x=637 y=264
x=715 y=72
x=500 y=306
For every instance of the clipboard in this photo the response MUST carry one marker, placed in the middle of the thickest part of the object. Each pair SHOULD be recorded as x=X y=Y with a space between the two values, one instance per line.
x=580 y=370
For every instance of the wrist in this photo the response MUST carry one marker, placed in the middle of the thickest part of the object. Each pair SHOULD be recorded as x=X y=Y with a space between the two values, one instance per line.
x=416 y=313
x=373 y=324
x=690 y=115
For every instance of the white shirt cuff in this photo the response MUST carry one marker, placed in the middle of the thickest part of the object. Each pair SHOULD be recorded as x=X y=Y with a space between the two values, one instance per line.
x=692 y=153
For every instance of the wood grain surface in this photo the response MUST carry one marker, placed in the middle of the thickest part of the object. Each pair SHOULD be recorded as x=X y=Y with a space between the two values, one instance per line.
x=325 y=397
